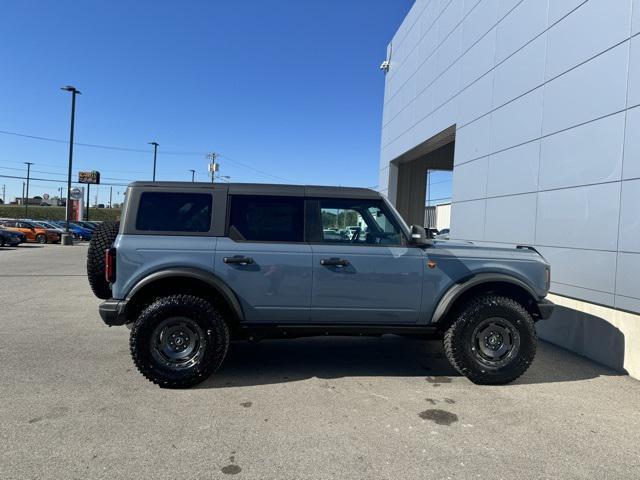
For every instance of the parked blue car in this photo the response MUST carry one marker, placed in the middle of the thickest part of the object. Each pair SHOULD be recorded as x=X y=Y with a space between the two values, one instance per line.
x=11 y=238
x=78 y=231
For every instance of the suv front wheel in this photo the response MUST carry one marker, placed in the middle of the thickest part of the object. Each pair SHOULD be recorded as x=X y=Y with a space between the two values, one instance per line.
x=179 y=341
x=492 y=340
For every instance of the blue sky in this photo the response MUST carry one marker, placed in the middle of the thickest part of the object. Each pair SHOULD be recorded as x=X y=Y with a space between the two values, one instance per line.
x=291 y=88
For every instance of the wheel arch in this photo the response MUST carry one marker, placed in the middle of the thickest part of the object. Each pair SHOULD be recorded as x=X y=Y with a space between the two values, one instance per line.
x=183 y=280
x=483 y=284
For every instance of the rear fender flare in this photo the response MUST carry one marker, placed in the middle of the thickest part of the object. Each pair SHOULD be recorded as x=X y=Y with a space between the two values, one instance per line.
x=206 y=277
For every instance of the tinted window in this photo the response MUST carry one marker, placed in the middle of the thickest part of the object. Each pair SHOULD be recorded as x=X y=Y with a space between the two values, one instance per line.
x=174 y=212
x=267 y=218
x=358 y=222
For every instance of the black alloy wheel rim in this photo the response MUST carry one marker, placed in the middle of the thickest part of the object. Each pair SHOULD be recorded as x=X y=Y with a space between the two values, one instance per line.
x=177 y=343
x=495 y=342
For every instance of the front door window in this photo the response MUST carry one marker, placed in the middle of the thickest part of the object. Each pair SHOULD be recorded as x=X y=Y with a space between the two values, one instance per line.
x=358 y=222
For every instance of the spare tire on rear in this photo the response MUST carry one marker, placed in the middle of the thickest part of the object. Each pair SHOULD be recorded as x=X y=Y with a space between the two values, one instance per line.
x=102 y=239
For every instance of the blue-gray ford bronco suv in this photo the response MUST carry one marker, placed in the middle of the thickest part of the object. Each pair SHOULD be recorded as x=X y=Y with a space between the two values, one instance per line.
x=192 y=266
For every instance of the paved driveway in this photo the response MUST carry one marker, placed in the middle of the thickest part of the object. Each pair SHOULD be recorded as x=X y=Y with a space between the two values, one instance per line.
x=73 y=406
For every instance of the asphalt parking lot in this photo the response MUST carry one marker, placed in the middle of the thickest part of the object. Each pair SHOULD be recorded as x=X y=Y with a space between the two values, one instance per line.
x=73 y=406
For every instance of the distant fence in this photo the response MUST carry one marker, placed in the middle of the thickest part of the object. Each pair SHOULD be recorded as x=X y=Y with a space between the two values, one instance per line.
x=55 y=213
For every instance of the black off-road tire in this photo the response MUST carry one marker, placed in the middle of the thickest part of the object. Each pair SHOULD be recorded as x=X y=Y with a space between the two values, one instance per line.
x=461 y=342
x=41 y=238
x=2 y=241
x=144 y=340
x=103 y=238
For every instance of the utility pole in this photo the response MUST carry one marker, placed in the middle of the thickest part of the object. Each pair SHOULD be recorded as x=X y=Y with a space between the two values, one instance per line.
x=193 y=175
x=213 y=166
x=67 y=238
x=4 y=188
x=155 y=155
x=110 y=196
x=26 y=203
x=60 y=197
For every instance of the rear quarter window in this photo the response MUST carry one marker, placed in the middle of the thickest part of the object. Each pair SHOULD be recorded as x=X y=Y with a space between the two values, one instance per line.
x=174 y=212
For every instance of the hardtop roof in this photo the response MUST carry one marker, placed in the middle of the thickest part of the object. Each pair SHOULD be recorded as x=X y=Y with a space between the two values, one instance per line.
x=266 y=189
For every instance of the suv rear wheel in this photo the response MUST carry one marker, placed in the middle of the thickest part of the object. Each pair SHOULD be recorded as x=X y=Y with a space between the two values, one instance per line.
x=179 y=341
x=492 y=340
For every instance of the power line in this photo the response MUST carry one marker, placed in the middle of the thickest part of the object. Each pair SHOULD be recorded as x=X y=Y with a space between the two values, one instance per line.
x=64 y=174
x=55 y=180
x=139 y=150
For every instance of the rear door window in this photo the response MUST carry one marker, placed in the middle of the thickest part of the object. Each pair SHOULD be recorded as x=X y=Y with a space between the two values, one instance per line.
x=174 y=212
x=264 y=218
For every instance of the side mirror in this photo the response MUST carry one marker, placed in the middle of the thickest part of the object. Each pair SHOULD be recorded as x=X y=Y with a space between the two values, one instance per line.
x=419 y=236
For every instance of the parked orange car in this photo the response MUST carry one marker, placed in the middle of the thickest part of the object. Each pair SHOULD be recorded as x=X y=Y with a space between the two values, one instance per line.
x=33 y=232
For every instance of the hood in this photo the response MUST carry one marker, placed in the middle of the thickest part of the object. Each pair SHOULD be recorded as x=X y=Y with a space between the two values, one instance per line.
x=465 y=249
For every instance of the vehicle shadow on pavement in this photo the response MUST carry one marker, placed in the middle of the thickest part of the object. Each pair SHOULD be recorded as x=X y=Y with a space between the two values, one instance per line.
x=279 y=361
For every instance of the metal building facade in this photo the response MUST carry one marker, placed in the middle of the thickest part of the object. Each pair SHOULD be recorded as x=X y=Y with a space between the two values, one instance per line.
x=537 y=103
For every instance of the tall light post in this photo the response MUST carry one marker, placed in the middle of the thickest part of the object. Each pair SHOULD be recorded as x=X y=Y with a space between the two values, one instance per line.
x=26 y=200
x=193 y=175
x=67 y=238
x=155 y=155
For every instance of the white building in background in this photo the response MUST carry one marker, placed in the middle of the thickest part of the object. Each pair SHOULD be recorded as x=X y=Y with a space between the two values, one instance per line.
x=535 y=106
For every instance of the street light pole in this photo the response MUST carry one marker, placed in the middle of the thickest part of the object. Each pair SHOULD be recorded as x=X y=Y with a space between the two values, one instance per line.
x=155 y=154
x=88 y=200
x=193 y=175
x=26 y=202
x=67 y=238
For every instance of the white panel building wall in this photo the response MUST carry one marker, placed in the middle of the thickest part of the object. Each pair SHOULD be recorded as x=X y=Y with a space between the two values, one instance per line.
x=545 y=96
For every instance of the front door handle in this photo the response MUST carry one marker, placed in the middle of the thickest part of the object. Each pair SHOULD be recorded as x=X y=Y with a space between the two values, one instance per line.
x=238 y=260
x=334 y=262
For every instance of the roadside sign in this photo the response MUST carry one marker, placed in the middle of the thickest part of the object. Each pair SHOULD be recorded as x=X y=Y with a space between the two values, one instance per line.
x=45 y=196
x=76 y=193
x=89 y=177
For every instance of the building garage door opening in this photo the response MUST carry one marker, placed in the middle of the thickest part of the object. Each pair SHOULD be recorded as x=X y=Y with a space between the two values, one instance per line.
x=418 y=171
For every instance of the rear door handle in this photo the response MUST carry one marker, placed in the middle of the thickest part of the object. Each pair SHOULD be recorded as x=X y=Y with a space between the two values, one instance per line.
x=238 y=260
x=334 y=262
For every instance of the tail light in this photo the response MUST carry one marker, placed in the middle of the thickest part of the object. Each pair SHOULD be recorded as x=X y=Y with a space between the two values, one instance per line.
x=110 y=265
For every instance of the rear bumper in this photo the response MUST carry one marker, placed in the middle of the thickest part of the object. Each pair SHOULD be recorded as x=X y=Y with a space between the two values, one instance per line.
x=112 y=312
x=546 y=308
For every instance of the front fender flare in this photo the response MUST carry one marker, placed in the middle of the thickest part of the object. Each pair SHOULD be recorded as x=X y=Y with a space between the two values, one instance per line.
x=207 y=277
x=454 y=292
